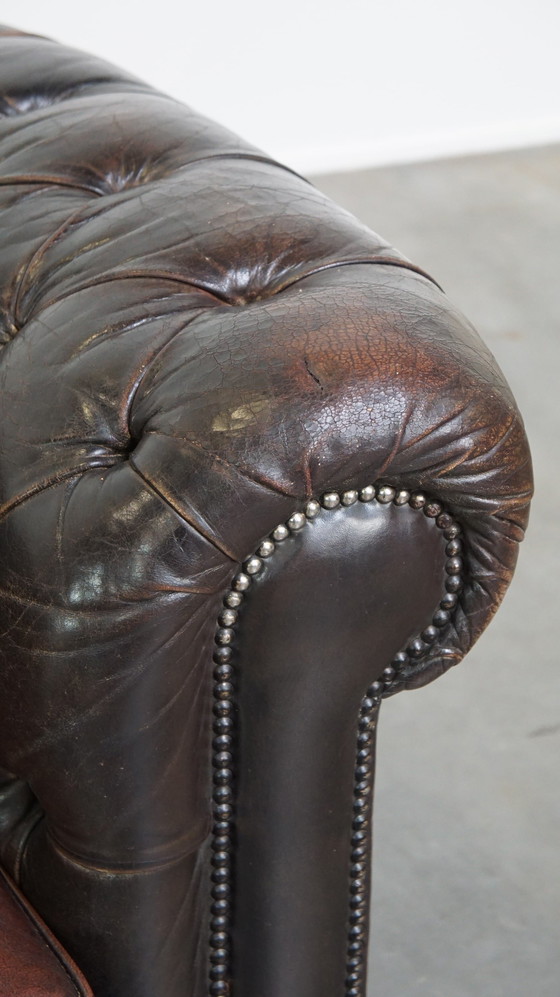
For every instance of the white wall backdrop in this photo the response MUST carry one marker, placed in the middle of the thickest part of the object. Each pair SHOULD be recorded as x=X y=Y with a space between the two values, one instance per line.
x=336 y=84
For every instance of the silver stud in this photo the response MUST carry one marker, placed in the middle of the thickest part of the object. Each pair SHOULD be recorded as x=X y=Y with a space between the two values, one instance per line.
x=402 y=498
x=367 y=493
x=348 y=498
x=241 y=582
x=267 y=548
x=385 y=494
x=233 y=599
x=454 y=566
x=253 y=565
x=453 y=548
x=296 y=521
x=224 y=636
x=417 y=500
x=228 y=617
x=312 y=509
x=330 y=500
x=281 y=532
x=416 y=647
x=452 y=531
x=449 y=601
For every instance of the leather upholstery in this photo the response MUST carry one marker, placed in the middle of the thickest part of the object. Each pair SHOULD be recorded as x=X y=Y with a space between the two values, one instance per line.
x=195 y=341
x=31 y=961
x=300 y=686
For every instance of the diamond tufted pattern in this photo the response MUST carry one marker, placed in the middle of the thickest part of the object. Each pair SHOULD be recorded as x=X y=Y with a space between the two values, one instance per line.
x=194 y=342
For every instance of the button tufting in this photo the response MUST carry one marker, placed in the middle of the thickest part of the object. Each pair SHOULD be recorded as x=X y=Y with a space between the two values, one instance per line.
x=12 y=106
x=118 y=181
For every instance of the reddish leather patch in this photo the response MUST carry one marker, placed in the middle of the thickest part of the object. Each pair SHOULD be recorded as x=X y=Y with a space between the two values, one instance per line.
x=32 y=963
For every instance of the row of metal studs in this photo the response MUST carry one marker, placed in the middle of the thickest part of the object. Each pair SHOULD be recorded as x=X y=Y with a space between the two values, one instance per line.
x=223 y=741
x=360 y=859
x=356 y=961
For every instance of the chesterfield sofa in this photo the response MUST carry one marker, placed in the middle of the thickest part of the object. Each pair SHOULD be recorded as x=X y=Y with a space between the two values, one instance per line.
x=257 y=475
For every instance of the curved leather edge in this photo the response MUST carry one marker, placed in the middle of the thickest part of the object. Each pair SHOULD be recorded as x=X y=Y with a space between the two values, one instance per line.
x=55 y=970
x=409 y=396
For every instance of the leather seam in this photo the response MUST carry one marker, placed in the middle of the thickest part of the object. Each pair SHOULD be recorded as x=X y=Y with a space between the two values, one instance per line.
x=114 y=869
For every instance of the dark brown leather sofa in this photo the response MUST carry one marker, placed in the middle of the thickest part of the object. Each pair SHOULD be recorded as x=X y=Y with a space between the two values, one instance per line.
x=257 y=473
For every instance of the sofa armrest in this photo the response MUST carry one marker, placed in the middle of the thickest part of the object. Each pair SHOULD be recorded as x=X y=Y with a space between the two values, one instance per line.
x=196 y=345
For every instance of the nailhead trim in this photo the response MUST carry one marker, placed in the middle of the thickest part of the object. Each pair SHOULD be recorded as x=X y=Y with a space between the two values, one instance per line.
x=224 y=726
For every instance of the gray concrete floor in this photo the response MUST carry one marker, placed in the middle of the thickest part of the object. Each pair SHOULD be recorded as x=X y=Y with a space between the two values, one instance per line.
x=467 y=830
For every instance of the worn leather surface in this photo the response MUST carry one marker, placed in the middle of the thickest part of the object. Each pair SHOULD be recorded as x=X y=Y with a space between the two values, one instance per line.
x=195 y=340
x=32 y=964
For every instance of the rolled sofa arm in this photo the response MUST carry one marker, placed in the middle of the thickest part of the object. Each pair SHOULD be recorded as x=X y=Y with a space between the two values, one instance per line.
x=257 y=473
